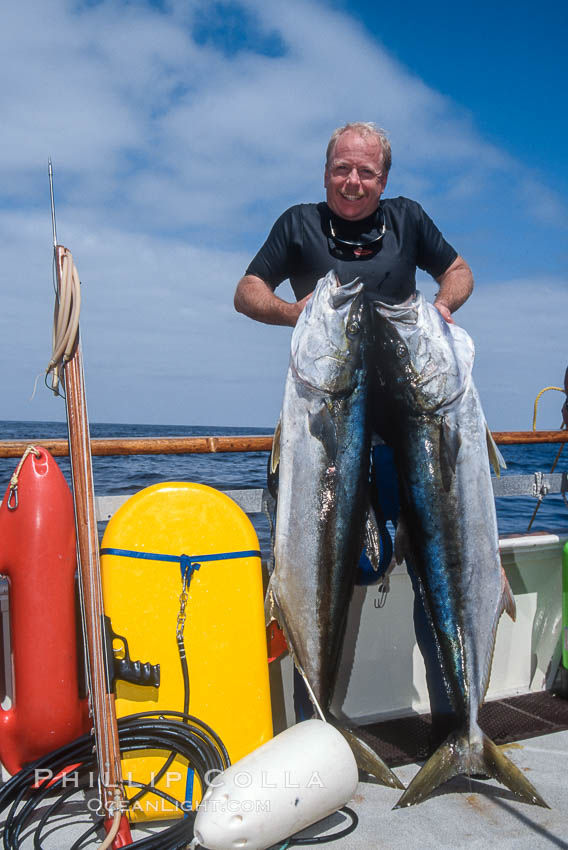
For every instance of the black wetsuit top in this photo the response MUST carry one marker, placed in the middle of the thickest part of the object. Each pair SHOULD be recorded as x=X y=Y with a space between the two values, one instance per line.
x=300 y=247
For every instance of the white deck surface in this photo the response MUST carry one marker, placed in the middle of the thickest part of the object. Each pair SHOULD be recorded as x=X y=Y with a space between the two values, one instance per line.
x=462 y=813
x=470 y=813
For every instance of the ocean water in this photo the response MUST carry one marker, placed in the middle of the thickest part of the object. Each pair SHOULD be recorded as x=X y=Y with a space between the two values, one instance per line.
x=229 y=470
x=116 y=475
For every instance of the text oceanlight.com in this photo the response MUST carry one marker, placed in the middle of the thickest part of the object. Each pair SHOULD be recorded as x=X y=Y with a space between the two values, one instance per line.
x=154 y=802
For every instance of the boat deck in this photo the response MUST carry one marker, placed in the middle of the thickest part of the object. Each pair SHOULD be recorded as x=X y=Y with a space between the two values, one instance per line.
x=462 y=813
x=466 y=812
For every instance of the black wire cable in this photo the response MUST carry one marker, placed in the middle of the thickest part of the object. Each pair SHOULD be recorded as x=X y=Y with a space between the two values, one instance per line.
x=327 y=839
x=50 y=811
x=191 y=739
x=145 y=789
x=324 y=839
x=178 y=732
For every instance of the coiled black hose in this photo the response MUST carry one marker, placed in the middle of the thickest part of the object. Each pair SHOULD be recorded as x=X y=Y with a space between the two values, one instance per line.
x=171 y=731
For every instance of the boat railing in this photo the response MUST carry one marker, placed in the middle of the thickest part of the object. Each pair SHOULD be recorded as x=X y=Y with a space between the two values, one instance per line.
x=224 y=443
x=257 y=500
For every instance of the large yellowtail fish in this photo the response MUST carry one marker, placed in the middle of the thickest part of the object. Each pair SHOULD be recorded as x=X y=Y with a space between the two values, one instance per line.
x=449 y=532
x=321 y=449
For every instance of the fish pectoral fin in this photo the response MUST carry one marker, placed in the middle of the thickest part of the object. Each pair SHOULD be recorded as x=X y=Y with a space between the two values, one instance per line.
x=367 y=759
x=458 y=756
x=450 y=444
x=322 y=427
x=507 y=598
x=496 y=459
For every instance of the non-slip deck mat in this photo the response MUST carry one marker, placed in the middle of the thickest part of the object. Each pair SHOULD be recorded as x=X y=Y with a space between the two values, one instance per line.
x=407 y=739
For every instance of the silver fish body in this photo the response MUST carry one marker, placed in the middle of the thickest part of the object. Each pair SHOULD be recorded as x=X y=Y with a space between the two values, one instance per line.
x=322 y=449
x=437 y=429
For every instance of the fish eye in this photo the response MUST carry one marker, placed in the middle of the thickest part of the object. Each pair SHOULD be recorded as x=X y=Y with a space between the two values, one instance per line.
x=353 y=328
x=400 y=350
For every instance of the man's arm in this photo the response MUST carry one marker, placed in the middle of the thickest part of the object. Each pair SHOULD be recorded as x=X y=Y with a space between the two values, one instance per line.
x=456 y=285
x=256 y=299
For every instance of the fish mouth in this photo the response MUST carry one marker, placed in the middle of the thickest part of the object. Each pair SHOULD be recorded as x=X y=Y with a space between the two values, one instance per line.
x=331 y=365
x=406 y=312
x=344 y=292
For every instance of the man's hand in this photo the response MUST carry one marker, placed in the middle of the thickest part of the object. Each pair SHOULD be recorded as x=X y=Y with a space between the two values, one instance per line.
x=256 y=299
x=302 y=303
x=445 y=311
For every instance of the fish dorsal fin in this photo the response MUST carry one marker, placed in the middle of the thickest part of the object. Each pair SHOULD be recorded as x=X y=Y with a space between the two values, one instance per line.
x=495 y=457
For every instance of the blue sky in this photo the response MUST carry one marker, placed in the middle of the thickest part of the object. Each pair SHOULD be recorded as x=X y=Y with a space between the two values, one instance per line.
x=180 y=129
x=501 y=59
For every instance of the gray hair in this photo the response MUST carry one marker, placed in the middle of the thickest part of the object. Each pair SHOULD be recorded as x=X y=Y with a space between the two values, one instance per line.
x=362 y=128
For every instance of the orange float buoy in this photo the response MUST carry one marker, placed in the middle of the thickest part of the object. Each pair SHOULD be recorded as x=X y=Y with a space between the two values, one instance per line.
x=38 y=555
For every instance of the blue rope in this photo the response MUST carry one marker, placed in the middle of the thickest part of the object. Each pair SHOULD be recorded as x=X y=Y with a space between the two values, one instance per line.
x=186 y=562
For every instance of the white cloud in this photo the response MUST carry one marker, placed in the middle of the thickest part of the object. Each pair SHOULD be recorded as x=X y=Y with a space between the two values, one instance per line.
x=158 y=328
x=519 y=331
x=171 y=162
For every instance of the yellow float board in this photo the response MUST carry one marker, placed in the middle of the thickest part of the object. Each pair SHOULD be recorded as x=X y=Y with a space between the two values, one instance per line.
x=224 y=633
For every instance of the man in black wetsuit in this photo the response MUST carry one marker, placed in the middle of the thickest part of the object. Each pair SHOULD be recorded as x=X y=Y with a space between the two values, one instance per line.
x=381 y=241
x=357 y=234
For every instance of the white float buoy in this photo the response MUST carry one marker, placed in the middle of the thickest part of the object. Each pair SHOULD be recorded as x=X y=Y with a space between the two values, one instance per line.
x=297 y=778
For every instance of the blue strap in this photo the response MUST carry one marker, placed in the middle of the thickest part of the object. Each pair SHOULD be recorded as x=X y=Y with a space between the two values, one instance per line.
x=186 y=562
x=189 y=791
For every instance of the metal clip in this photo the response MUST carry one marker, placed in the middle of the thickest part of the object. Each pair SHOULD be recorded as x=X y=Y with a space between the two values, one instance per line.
x=188 y=567
x=13 y=495
x=539 y=488
x=383 y=589
x=12 y=503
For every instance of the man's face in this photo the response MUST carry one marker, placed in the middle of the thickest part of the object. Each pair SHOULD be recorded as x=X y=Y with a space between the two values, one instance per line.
x=354 y=178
